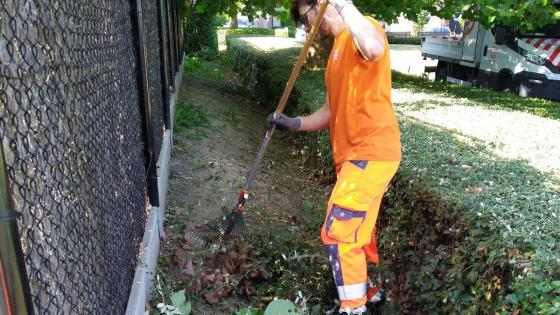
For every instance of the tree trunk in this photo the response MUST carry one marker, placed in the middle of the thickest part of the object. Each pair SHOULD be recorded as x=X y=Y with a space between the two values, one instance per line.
x=318 y=54
x=233 y=17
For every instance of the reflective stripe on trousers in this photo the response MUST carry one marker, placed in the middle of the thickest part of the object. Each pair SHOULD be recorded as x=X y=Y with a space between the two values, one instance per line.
x=349 y=229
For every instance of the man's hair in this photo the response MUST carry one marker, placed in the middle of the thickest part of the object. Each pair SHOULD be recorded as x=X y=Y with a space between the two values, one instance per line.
x=294 y=11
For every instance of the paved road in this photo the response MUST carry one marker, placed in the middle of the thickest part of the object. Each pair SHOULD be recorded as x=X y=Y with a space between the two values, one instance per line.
x=407 y=59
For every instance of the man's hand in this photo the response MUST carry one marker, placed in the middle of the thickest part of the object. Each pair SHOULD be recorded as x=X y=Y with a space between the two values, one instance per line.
x=338 y=4
x=283 y=123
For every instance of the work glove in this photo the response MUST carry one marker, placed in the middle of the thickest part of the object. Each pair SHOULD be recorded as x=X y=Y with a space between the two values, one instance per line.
x=338 y=4
x=283 y=123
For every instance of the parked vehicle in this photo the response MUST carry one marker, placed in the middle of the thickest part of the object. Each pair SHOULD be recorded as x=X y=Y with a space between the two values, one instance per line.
x=443 y=30
x=524 y=63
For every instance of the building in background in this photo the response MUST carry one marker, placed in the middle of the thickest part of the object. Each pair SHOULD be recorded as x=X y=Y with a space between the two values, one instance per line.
x=258 y=22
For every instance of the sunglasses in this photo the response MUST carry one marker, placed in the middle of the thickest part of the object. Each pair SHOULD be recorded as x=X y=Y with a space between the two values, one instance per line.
x=303 y=18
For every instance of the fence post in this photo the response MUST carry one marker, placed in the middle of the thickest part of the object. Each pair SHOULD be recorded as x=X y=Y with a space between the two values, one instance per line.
x=146 y=107
x=164 y=62
x=180 y=35
x=171 y=32
x=15 y=295
x=175 y=18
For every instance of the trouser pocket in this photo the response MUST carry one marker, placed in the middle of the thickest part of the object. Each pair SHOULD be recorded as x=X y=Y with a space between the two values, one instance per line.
x=348 y=204
x=343 y=224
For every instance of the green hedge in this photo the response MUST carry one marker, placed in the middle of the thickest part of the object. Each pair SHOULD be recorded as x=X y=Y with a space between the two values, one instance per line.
x=463 y=231
x=224 y=32
x=469 y=232
x=404 y=40
x=250 y=62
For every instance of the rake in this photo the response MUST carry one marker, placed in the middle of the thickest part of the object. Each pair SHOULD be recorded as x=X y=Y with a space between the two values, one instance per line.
x=232 y=223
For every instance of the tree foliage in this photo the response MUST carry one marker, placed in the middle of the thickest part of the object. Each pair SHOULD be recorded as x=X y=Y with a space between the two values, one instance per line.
x=521 y=14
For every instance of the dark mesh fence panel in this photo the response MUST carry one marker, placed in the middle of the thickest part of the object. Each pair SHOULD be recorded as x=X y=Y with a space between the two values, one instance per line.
x=70 y=127
x=151 y=27
x=172 y=43
x=167 y=42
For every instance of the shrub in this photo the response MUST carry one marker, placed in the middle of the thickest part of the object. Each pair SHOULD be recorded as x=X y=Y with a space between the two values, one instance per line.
x=201 y=40
x=404 y=40
x=281 y=32
x=470 y=230
x=222 y=33
x=250 y=62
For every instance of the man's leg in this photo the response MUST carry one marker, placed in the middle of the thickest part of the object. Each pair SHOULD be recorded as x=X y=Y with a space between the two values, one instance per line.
x=349 y=224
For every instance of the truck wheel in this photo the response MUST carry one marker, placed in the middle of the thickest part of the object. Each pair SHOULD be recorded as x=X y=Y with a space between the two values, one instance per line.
x=506 y=84
x=442 y=75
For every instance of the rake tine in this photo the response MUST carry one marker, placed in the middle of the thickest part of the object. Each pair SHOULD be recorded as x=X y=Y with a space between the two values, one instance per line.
x=218 y=227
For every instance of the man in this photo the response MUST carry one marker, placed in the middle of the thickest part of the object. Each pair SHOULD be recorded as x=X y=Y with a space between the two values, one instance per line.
x=365 y=141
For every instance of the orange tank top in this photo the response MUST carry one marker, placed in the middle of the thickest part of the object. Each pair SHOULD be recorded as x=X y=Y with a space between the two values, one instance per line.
x=363 y=124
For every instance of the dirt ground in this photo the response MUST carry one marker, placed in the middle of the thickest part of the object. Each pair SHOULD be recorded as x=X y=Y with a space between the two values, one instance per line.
x=208 y=169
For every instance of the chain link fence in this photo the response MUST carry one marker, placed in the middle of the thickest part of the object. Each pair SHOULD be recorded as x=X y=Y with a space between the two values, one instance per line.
x=72 y=137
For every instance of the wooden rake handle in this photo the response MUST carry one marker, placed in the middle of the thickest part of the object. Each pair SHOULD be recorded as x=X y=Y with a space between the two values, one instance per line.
x=286 y=93
x=300 y=60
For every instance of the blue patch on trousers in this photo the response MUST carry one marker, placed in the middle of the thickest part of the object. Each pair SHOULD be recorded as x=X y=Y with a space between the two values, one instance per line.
x=360 y=164
x=334 y=260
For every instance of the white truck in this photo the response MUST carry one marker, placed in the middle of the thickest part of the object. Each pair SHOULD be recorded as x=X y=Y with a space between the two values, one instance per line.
x=521 y=62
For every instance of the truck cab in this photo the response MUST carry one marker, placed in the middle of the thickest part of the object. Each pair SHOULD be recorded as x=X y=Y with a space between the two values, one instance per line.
x=526 y=63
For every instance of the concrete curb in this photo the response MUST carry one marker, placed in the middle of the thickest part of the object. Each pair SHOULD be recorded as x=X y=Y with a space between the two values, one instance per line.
x=149 y=249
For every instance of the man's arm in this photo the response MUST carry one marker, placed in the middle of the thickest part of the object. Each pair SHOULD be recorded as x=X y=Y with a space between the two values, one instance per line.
x=319 y=120
x=370 y=42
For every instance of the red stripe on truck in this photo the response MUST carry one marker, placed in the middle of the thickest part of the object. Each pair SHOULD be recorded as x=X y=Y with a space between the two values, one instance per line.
x=539 y=42
x=549 y=45
x=554 y=55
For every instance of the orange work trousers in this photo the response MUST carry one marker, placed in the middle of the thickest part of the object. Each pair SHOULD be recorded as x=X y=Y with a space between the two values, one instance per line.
x=349 y=229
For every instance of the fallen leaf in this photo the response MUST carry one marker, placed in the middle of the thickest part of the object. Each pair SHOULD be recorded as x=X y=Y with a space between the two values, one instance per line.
x=185 y=245
x=293 y=220
x=211 y=278
x=244 y=267
x=262 y=271
x=188 y=270
x=211 y=298
x=525 y=265
x=448 y=162
x=249 y=289
x=230 y=267
x=261 y=305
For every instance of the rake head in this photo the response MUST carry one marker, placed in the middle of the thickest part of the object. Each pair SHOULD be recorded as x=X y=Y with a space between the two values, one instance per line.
x=231 y=224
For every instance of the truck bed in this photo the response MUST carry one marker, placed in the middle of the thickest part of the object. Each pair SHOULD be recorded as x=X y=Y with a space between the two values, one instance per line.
x=442 y=47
